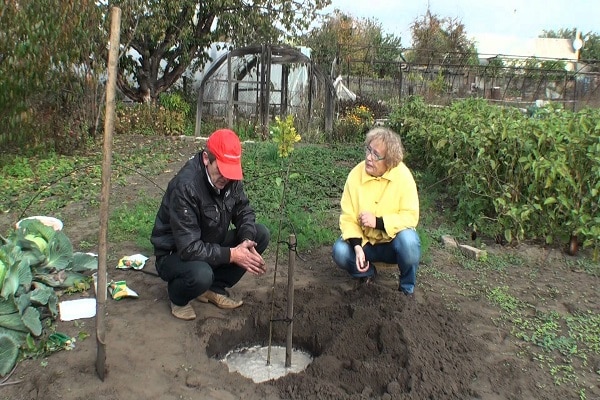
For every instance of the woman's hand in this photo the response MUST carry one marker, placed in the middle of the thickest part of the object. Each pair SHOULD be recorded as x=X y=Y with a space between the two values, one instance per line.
x=362 y=265
x=367 y=219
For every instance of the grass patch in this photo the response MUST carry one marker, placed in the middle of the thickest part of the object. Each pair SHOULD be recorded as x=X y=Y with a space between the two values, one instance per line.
x=300 y=194
x=134 y=223
x=563 y=344
x=586 y=265
x=44 y=185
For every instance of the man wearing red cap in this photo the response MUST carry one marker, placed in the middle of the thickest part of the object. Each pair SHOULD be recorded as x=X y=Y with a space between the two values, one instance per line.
x=196 y=252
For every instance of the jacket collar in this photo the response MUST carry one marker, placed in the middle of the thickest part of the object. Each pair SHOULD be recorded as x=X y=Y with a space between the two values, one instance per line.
x=390 y=175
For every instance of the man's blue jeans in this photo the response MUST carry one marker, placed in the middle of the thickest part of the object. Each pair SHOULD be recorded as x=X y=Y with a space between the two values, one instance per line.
x=404 y=250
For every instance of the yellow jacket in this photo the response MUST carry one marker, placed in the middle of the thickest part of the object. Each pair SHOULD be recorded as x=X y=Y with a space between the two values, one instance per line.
x=392 y=196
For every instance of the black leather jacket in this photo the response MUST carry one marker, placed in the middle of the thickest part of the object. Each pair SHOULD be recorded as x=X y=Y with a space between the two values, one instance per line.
x=193 y=218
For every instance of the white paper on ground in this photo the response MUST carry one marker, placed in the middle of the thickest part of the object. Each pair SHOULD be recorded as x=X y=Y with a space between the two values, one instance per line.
x=75 y=309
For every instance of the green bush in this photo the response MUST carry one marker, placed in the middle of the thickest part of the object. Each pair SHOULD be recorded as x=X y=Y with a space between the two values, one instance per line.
x=353 y=125
x=146 y=119
x=378 y=108
x=175 y=102
x=514 y=177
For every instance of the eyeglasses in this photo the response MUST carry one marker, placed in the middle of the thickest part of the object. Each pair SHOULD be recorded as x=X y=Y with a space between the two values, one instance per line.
x=373 y=153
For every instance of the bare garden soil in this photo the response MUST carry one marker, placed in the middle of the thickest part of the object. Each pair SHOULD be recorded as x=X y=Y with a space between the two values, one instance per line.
x=368 y=342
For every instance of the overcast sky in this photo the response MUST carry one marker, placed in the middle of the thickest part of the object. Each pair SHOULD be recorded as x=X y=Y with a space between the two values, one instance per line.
x=482 y=18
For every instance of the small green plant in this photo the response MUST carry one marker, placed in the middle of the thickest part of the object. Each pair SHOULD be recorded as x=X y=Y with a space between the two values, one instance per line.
x=284 y=134
x=503 y=299
x=18 y=167
x=439 y=85
x=559 y=342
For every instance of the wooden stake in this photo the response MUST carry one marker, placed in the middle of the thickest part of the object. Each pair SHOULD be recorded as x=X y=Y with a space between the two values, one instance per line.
x=290 y=301
x=109 y=124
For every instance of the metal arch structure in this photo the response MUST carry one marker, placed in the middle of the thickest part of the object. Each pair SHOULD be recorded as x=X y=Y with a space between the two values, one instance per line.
x=265 y=56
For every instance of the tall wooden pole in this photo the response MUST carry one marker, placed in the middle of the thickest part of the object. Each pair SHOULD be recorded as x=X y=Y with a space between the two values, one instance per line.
x=109 y=124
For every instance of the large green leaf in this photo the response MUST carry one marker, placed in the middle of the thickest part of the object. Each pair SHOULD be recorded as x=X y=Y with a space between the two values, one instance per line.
x=53 y=305
x=60 y=252
x=18 y=273
x=9 y=350
x=14 y=322
x=31 y=319
x=33 y=257
x=25 y=274
x=11 y=280
x=19 y=337
x=42 y=294
x=83 y=262
x=3 y=271
x=7 y=306
x=22 y=302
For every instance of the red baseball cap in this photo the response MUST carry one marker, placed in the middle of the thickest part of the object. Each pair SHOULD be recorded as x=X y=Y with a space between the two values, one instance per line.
x=226 y=147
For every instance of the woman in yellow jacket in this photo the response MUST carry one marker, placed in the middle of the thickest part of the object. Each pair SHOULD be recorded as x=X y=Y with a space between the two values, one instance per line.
x=380 y=211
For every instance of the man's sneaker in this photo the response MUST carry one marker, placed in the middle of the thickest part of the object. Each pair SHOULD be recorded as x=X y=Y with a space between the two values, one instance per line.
x=219 y=300
x=186 y=312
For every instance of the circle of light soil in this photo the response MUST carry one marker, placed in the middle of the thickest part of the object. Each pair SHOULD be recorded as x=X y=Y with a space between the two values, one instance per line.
x=251 y=362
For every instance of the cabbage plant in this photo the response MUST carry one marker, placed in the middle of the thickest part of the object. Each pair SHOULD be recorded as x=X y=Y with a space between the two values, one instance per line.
x=34 y=261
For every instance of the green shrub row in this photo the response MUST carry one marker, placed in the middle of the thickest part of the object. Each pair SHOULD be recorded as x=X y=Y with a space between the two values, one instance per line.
x=513 y=175
x=172 y=117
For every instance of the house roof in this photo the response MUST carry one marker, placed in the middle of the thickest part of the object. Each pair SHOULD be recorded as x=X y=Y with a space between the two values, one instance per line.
x=489 y=46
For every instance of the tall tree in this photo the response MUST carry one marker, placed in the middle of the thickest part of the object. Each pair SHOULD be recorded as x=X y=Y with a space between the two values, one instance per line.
x=389 y=55
x=349 y=45
x=327 y=39
x=46 y=61
x=438 y=40
x=164 y=38
x=380 y=53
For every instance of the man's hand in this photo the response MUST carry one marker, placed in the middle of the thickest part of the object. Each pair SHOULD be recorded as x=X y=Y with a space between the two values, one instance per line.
x=362 y=265
x=246 y=256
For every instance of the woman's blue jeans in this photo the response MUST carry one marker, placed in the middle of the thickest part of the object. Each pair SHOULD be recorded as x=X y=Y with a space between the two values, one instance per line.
x=404 y=250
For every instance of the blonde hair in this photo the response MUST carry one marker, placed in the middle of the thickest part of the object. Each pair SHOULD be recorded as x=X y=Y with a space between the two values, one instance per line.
x=393 y=145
